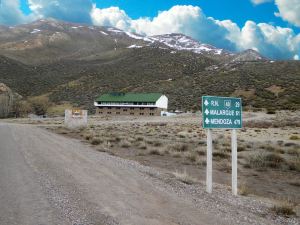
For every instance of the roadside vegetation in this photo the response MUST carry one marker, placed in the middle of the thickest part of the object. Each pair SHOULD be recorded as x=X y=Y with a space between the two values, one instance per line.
x=267 y=157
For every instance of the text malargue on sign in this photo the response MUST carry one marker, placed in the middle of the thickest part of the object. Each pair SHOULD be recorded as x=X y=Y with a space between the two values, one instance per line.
x=221 y=112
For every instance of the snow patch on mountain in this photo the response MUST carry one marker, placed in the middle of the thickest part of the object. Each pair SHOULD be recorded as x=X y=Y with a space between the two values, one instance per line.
x=114 y=30
x=134 y=46
x=35 y=31
x=183 y=42
x=138 y=37
x=102 y=32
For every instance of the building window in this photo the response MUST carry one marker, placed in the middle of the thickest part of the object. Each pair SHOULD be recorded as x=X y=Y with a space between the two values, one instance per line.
x=109 y=107
x=108 y=112
x=131 y=108
x=151 y=108
x=125 y=110
x=141 y=108
x=151 y=114
x=141 y=114
x=118 y=107
x=131 y=113
x=117 y=112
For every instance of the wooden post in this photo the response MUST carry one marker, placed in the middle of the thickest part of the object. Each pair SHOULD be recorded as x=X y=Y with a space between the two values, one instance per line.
x=234 y=161
x=209 y=162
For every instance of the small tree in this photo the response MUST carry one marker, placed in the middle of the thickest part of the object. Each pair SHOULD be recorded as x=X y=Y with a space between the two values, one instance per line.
x=21 y=108
x=40 y=105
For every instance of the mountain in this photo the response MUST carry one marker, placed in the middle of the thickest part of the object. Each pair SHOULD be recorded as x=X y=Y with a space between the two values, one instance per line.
x=75 y=63
x=182 y=42
x=248 y=55
x=47 y=41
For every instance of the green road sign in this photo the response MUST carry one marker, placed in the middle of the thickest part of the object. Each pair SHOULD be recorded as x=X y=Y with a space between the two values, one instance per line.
x=221 y=112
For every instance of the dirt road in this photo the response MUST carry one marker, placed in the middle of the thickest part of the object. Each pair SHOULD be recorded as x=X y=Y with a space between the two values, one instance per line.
x=49 y=179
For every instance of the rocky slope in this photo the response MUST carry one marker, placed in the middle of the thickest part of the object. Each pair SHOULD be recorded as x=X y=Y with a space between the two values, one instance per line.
x=7 y=99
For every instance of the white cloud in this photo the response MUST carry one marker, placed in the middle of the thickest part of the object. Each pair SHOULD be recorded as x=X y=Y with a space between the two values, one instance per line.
x=296 y=57
x=271 y=41
x=258 y=2
x=112 y=16
x=289 y=10
x=189 y=20
x=11 y=14
x=73 y=11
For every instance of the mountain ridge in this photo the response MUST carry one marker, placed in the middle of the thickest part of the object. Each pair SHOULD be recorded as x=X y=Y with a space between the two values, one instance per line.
x=76 y=63
x=49 y=35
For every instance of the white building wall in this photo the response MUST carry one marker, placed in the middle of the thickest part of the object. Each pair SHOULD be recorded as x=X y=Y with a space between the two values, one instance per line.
x=162 y=102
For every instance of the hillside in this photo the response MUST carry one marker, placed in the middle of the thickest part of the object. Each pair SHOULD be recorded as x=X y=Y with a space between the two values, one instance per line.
x=76 y=63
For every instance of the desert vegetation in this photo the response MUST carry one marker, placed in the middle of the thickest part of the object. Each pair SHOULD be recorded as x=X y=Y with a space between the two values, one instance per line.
x=268 y=156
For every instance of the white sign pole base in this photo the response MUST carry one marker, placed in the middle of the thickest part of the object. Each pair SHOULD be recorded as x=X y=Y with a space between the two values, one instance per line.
x=234 y=161
x=209 y=162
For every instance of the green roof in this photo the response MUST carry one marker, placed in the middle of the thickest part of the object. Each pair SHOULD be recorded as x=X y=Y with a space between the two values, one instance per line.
x=129 y=97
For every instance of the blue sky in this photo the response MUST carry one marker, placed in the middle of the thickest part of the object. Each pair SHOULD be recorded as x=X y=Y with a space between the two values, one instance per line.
x=271 y=27
x=237 y=10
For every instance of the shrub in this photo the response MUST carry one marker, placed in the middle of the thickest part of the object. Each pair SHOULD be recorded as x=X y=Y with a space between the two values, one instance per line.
x=294 y=164
x=271 y=111
x=88 y=136
x=294 y=151
x=244 y=190
x=157 y=143
x=241 y=148
x=178 y=147
x=184 y=177
x=191 y=156
x=222 y=155
x=289 y=144
x=125 y=144
x=284 y=208
x=40 y=105
x=264 y=160
x=140 y=138
x=274 y=159
x=143 y=146
x=176 y=154
x=294 y=137
x=96 y=141
x=155 y=152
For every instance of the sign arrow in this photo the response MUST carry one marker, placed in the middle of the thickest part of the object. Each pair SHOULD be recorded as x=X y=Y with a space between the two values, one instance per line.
x=207 y=121
x=206 y=103
x=206 y=112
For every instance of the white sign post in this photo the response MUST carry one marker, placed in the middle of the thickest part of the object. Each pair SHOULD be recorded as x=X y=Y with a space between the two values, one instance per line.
x=221 y=113
x=209 y=162
x=234 y=161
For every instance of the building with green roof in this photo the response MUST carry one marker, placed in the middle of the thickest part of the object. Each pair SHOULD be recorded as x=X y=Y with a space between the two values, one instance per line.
x=143 y=104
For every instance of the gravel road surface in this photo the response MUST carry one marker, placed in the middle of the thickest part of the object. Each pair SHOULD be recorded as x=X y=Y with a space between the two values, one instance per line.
x=49 y=179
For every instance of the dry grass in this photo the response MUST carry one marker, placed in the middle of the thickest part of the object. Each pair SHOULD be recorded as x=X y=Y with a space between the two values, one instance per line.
x=125 y=144
x=185 y=177
x=155 y=151
x=294 y=137
x=284 y=208
x=191 y=156
x=179 y=147
x=243 y=190
x=96 y=141
x=162 y=146
x=264 y=160
x=294 y=152
x=294 y=163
